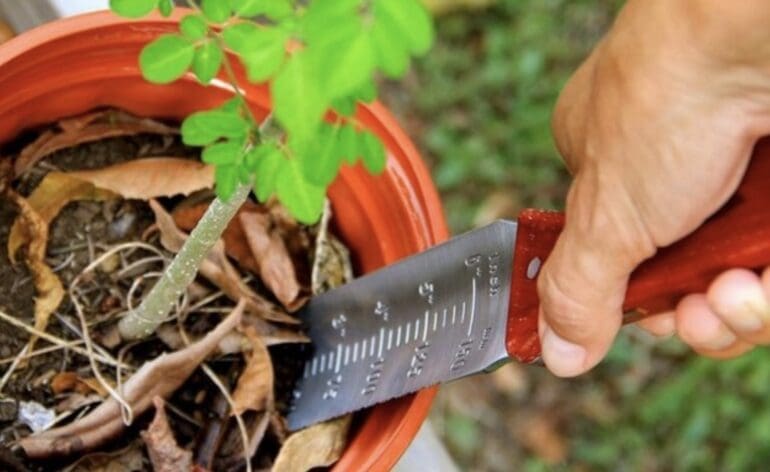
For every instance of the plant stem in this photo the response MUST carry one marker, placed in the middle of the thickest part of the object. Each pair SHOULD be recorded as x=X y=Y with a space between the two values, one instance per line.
x=156 y=306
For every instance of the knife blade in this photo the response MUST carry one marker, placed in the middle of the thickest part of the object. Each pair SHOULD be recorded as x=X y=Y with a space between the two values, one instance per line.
x=469 y=304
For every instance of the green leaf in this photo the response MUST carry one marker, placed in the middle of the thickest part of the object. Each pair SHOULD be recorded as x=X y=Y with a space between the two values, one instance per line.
x=247 y=37
x=322 y=164
x=166 y=59
x=193 y=27
x=273 y=9
x=227 y=153
x=268 y=161
x=343 y=14
x=297 y=103
x=367 y=93
x=372 y=152
x=303 y=199
x=347 y=62
x=392 y=56
x=207 y=61
x=348 y=144
x=217 y=11
x=132 y=8
x=262 y=50
x=232 y=106
x=166 y=7
x=240 y=35
x=263 y=64
x=226 y=178
x=245 y=176
x=407 y=19
x=345 y=106
x=205 y=127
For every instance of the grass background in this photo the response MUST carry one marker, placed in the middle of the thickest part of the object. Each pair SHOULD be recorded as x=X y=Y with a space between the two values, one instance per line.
x=478 y=105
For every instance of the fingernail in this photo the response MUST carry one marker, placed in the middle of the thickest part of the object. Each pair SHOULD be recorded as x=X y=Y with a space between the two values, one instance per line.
x=722 y=340
x=757 y=313
x=563 y=358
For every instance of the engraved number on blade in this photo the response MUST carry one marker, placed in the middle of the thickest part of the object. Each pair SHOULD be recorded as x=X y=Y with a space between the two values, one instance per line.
x=373 y=378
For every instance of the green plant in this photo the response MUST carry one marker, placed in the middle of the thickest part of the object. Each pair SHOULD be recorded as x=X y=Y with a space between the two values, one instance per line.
x=321 y=57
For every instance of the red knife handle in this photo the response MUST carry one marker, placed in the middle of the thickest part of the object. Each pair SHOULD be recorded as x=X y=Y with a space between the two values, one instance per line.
x=738 y=235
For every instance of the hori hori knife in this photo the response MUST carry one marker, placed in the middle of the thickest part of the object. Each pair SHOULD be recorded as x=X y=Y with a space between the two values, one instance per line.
x=469 y=304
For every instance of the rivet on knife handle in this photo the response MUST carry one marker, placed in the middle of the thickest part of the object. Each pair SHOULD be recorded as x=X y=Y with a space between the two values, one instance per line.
x=738 y=235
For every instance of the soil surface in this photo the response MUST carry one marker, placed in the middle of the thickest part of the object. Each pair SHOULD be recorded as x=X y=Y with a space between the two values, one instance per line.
x=83 y=230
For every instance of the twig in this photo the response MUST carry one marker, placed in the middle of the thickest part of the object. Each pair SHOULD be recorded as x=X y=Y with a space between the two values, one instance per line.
x=55 y=340
x=238 y=418
x=68 y=324
x=40 y=352
x=320 y=240
x=64 y=263
x=126 y=412
x=13 y=367
x=226 y=393
x=147 y=260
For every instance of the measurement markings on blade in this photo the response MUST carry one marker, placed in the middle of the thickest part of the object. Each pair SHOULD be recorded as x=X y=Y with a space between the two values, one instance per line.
x=360 y=350
x=339 y=359
x=473 y=307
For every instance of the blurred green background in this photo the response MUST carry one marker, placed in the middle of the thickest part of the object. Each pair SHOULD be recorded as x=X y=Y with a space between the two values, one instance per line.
x=478 y=105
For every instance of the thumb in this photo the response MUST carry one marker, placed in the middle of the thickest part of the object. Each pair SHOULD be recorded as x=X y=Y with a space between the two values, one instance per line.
x=583 y=283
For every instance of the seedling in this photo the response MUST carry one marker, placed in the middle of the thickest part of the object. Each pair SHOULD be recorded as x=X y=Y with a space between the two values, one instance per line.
x=320 y=56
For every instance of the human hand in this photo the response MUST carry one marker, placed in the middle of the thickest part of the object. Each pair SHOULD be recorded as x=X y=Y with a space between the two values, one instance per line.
x=657 y=127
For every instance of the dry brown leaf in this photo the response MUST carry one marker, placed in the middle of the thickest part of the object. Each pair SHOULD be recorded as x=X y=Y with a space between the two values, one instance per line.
x=272 y=334
x=86 y=128
x=158 y=378
x=153 y=177
x=331 y=259
x=235 y=241
x=139 y=178
x=320 y=445
x=48 y=287
x=254 y=390
x=72 y=382
x=276 y=268
x=218 y=269
x=165 y=454
x=128 y=459
x=55 y=191
x=64 y=382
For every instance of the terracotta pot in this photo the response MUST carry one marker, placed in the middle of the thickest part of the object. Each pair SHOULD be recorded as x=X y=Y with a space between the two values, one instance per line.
x=78 y=64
